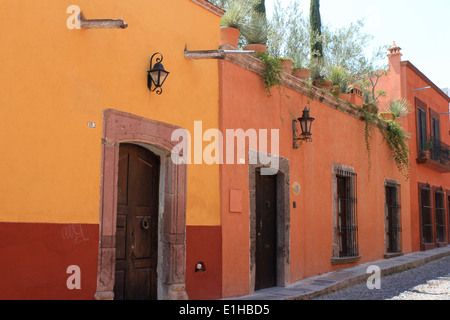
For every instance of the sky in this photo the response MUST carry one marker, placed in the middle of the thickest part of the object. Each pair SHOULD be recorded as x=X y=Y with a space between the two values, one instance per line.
x=420 y=27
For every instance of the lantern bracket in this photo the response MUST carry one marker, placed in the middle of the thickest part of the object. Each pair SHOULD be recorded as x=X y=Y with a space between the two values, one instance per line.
x=305 y=124
x=152 y=83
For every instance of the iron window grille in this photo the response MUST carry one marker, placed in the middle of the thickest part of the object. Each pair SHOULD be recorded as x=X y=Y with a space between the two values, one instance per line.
x=393 y=225
x=426 y=214
x=438 y=151
x=440 y=215
x=347 y=224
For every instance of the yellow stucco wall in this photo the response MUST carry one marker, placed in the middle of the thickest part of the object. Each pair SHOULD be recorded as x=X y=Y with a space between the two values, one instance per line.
x=54 y=80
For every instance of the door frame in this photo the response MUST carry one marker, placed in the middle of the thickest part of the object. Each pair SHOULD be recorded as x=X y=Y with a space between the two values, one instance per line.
x=120 y=127
x=155 y=217
x=261 y=238
x=283 y=219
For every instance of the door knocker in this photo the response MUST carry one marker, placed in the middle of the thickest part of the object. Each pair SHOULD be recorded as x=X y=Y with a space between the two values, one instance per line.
x=145 y=224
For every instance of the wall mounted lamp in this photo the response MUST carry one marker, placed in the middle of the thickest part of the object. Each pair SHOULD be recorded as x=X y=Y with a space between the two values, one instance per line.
x=156 y=75
x=305 y=124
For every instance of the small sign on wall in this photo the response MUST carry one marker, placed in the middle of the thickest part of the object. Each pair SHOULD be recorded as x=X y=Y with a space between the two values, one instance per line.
x=236 y=201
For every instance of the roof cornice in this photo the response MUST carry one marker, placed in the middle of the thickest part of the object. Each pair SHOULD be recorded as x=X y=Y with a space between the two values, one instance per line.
x=425 y=78
x=210 y=7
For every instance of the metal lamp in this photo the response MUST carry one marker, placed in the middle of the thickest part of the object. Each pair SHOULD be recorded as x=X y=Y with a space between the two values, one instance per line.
x=305 y=124
x=157 y=74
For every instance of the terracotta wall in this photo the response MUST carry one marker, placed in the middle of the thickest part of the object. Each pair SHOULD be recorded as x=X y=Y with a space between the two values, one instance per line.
x=403 y=81
x=422 y=173
x=204 y=245
x=337 y=138
x=35 y=260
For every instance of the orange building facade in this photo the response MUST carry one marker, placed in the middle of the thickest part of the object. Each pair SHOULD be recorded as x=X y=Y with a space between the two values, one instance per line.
x=86 y=138
x=95 y=205
x=331 y=208
x=428 y=124
x=391 y=214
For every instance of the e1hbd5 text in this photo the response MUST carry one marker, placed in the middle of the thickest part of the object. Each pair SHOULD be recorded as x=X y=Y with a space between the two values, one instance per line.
x=246 y=309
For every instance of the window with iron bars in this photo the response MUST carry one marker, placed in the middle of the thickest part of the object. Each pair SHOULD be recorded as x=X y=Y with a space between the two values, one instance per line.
x=432 y=216
x=347 y=224
x=440 y=215
x=393 y=225
x=426 y=210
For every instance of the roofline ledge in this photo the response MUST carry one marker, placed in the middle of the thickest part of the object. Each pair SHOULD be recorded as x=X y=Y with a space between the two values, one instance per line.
x=426 y=79
x=210 y=7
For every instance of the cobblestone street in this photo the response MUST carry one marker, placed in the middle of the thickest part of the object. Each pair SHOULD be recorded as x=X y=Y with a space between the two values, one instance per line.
x=428 y=282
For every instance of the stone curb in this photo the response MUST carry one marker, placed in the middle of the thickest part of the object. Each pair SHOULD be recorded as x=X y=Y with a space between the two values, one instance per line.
x=340 y=279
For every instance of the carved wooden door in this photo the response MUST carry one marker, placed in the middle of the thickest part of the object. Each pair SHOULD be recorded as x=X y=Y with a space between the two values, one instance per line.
x=137 y=224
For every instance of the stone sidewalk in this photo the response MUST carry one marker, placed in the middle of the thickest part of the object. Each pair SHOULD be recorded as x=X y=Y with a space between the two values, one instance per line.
x=336 y=280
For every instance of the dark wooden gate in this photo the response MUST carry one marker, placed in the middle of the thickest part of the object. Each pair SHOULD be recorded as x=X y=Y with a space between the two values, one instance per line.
x=137 y=224
x=266 y=231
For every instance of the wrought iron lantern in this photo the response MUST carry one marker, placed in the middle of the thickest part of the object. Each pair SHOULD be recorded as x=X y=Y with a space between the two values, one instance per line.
x=305 y=124
x=157 y=74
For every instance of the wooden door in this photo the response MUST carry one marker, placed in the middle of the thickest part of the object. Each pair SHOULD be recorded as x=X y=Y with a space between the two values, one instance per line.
x=393 y=219
x=137 y=224
x=266 y=232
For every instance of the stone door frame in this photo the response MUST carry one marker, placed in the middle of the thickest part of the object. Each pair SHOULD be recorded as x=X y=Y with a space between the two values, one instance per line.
x=283 y=219
x=120 y=127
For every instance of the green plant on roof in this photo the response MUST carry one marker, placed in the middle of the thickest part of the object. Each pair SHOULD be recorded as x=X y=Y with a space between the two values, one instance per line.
x=340 y=77
x=272 y=73
x=399 y=107
x=257 y=30
x=236 y=15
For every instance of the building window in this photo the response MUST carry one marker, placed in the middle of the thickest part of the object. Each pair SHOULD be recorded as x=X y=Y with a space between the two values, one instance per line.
x=441 y=226
x=422 y=136
x=433 y=219
x=426 y=215
x=347 y=224
x=435 y=128
x=393 y=223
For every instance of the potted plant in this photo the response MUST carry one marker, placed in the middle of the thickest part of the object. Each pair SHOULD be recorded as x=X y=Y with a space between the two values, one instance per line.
x=318 y=69
x=426 y=152
x=301 y=73
x=256 y=33
x=386 y=115
x=232 y=22
x=445 y=158
x=321 y=83
x=442 y=159
x=336 y=91
x=299 y=69
x=399 y=108
x=340 y=80
x=286 y=64
x=371 y=107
